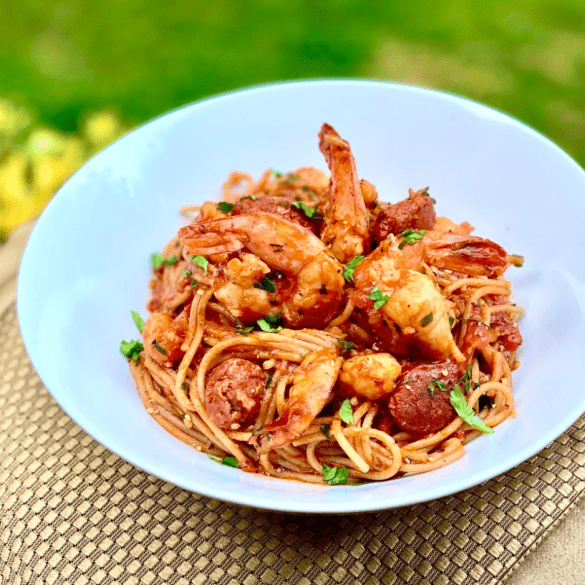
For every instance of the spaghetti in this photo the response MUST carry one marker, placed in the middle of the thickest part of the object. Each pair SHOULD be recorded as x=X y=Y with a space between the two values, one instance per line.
x=303 y=329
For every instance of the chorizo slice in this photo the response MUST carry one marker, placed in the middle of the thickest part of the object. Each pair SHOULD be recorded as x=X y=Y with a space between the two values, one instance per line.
x=233 y=392
x=420 y=403
x=507 y=330
x=416 y=212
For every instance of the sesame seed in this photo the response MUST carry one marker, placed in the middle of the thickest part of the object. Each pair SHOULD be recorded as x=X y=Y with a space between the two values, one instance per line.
x=150 y=411
x=445 y=373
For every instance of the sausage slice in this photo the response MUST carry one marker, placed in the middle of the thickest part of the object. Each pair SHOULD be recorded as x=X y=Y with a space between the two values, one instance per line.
x=233 y=392
x=419 y=408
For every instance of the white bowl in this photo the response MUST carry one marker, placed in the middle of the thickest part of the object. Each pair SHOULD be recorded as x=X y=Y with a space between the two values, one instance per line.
x=87 y=262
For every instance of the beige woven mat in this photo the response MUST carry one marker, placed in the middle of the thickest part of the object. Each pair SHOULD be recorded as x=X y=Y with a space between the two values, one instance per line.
x=71 y=512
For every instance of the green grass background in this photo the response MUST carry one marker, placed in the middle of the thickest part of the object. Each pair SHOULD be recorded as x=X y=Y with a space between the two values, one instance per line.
x=138 y=59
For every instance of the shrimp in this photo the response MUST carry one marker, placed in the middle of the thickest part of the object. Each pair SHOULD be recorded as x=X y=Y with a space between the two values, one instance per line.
x=371 y=376
x=316 y=284
x=311 y=390
x=406 y=298
x=163 y=336
x=346 y=228
x=238 y=294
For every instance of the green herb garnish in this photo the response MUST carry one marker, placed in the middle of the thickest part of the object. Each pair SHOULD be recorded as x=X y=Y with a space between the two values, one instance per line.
x=290 y=179
x=269 y=382
x=410 y=237
x=131 y=349
x=225 y=207
x=159 y=348
x=426 y=320
x=347 y=345
x=351 y=266
x=185 y=387
x=433 y=385
x=245 y=330
x=270 y=323
x=265 y=284
x=466 y=379
x=138 y=321
x=200 y=261
x=379 y=299
x=157 y=260
x=346 y=412
x=467 y=413
x=230 y=460
x=311 y=212
x=172 y=260
x=325 y=430
x=335 y=475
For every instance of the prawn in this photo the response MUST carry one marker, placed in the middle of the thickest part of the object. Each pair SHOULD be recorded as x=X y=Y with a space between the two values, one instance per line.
x=369 y=375
x=312 y=387
x=316 y=289
x=389 y=287
x=346 y=228
x=163 y=336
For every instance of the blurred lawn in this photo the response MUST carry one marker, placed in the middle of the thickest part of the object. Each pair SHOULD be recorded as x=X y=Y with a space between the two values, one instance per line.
x=60 y=63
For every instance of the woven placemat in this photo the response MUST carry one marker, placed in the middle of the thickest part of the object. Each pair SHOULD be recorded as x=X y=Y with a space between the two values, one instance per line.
x=71 y=512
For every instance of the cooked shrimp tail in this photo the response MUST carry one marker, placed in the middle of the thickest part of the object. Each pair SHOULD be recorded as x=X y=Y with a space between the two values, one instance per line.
x=346 y=216
x=312 y=387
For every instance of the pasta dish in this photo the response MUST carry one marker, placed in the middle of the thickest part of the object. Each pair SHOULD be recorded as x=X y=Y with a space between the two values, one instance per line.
x=304 y=329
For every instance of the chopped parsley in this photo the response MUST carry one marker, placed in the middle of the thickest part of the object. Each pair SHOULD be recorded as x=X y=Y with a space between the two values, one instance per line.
x=269 y=382
x=290 y=179
x=265 y=284
x=185 y=387
x=159 y=348
x=311 y=212
x=410 y=237
x=325 y=430
x=186 y=272
x=270 y=323
x=225 y=207
x=157 y=260
x=433 y=385
x=466 y=379
x=172 y=260
x=277 y=174
x=335 y=475
x=193 y=283
x=131 y=349
x=229 y=460
x=346 y=412
x=138 y=321
x=200 y=261
x=351 y=266
x=245 y=329
x=379 y=299
x=467 y=413
x=347 y=345
x=426 y=320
